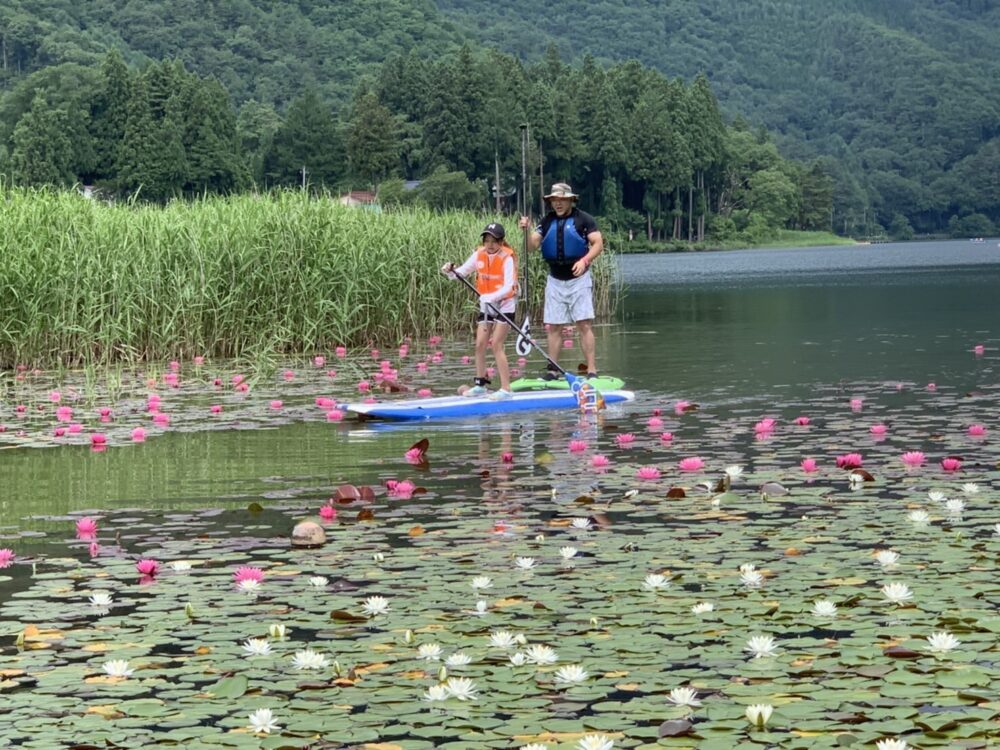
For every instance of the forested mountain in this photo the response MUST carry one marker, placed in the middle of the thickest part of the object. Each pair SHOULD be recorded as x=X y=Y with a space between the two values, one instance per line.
x=898 y=100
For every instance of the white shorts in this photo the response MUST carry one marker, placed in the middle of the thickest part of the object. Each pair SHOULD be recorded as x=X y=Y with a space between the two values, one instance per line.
x=488 y=312
x=569 y=301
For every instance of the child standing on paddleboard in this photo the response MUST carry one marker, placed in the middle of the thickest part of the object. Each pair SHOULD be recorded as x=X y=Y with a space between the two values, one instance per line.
x=495 y=267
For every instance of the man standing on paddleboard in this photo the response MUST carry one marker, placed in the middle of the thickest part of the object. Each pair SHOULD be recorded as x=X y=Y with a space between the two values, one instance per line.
x=570 y=242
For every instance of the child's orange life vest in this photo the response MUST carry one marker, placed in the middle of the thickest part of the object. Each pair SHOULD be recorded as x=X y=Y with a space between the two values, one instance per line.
x=489 y=270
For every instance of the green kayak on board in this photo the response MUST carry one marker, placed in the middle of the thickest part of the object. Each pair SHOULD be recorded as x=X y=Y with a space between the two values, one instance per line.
x=602 y=383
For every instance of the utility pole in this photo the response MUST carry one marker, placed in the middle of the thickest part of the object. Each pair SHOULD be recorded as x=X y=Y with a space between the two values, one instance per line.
x=496 y=165
x=304 y=173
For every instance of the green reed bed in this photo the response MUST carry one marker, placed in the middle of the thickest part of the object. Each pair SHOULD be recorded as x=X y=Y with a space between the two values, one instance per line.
x=242 y=276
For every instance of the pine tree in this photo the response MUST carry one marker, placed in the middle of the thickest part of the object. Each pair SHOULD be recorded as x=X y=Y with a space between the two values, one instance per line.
x=308 y=139
x=43 y=153
x=373 y=146
x=109 y=113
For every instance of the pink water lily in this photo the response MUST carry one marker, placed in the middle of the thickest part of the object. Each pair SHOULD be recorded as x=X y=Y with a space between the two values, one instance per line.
x=666 y=437
x=288 y=375
x=681 y=406
x=364 y=386
x=878 y=429
x=765 y=425
x=809 y=465
x=977 y=430
x=654 y=422
x=98 y=439
x=243 y=387
x=849 y=461
x=74 y=428
x=913 y=459
x=334 y=415
x=64 y=413
x=951 y=463
x=86 y=525
x=415 y=456
x=175 y=365
x=6 y=557
x=161 y=418
x=599 y=462
x=319 y=361
x=276 y=404
x=215 y=408
x=434 y=340
x=327 y=512
x=802 y=421
x=932 y=386
x=577 y=446
x=340 y=351
x=199 y=361
x=856 y=404
x=693 y=463
x=625 y=439
x=979 y=350
x=425 y=393
x=248 y=573
x=55 y=397
x=138 y=435
x=148 y=567
x=507 y=457
x=648 y=473
x=402 y=490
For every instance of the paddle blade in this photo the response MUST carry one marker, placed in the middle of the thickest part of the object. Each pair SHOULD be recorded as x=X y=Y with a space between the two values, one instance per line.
x=523 y=345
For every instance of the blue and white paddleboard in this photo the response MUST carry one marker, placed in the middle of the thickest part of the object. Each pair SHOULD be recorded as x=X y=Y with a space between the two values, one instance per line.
x=452 y=407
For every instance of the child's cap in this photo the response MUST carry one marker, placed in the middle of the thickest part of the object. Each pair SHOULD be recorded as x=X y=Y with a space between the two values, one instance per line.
x=494 y=230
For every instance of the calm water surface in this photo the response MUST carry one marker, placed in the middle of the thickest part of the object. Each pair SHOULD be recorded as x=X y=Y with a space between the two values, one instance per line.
x=753 y=332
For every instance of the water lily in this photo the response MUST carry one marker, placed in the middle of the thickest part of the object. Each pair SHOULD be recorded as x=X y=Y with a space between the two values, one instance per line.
x=824 y=608
x=262 y=721
x=892 y=744
x=318 y=581
x=180 y=566
x=581 y=523
x=920 y=517
x=996 y=530
x=249 y=586
x=970 y=488
x=540 y=654
x=458 y=659
x=937 y=496
x=943 y=642
x=502 y=639
x=887 y=558
x=595 y=742
x=524 y=563
x=734 y=472
x=849 y=461
x=702 y=607
x=752 y=578
x=655 y=581
x=955 y=505
x=913 y=459
x=759 y=714
x=570 y=674
x=101 y=599
x=6 y=556
x=429 y=651
x=648 y=473
x=375 y=605
x=684 y=696
x=378 y=557
x=148 y=567
x=568 y=552
x=462 y=688
x=257 y=646
x=277 y=630
x=534 y=746
x=761 y=646
x=309 y=659
x=482 y=582
x=518 y=659
x=481 y=607
x=248 y=573
x=692 y=463
x=436 y=693
x=897 y=593
x=117 y=668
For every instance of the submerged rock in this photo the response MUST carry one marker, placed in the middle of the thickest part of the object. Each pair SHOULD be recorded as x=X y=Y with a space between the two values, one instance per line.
x=308 y=534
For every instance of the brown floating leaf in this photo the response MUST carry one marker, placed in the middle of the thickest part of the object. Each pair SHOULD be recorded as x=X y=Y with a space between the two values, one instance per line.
x=366 y=515
x=342 y=615
x=901 y=652
x=417 y=530
x=347 y=493
x=864 y=475
x=255 y=507
x=676 y=493
x=584 y=500
x=676 y=728
x=367 y=494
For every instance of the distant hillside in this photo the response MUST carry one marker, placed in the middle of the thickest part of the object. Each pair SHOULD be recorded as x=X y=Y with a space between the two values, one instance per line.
x=902 y=97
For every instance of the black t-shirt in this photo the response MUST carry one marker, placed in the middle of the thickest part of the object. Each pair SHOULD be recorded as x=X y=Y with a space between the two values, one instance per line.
x=585 y=224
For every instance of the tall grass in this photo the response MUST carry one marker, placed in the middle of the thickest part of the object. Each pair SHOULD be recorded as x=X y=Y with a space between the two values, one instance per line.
x=82 y=282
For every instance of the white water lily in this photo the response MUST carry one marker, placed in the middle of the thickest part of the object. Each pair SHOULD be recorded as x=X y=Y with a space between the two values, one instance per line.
x=378 y=557
x=249 y=586
x=996 y=529
x=595 y=742
x=462 y=688
x=970 y=488
x=684 y=696
x=502 y=639
x=897 y=593
x=309 y=659
x=570 y=674
x=277 y=630
x=746 y=567
x=117 y=668
x=581 y=523
x=257 y=646
x=752 y=579
x=824 y=608
x=538 y=653
x=429 y=651
x=856 y=480
x=482 y=582
x=920 y=517
x=262 y=721
x=180 y=566
x=518 y=659
x=886 y=557
x=568 y=552
x=375 y=605
x=734 y=471
x=319 y=581
x=702 y=607
x=458 y=659
x=893 y=744
x=481 y=607
x=534 y=746
x=436 y=693
x=759 y=714
x=937 y=496
x=101 y=599
x=655 y=581
x=955 y=505
x=942 y=643
x=524 y=563
x=761 y=646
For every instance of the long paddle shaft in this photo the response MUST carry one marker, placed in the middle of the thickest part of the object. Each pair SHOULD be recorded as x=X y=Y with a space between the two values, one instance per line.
x=570 y=378
x=523 y=344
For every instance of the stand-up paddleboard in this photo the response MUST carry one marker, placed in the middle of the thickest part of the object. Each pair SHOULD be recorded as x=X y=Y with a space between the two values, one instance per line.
x=602 y=383
x=455 y=407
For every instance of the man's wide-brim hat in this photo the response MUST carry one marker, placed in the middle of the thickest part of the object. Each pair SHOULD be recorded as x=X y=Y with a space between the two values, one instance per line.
x=561 y=190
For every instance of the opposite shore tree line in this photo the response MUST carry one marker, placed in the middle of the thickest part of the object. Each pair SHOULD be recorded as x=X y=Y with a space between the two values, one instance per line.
x=652 y=156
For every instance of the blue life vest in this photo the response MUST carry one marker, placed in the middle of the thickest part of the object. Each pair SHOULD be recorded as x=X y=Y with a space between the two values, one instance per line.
x=566 y=245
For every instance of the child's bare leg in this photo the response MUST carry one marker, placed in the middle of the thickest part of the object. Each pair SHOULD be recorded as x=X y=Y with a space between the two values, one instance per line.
x=500 y=355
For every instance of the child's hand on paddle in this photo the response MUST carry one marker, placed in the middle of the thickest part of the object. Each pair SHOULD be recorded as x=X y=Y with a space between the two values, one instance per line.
x=448 y=269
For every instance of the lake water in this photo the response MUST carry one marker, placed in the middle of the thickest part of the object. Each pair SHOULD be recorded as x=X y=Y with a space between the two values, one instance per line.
x=745 y=332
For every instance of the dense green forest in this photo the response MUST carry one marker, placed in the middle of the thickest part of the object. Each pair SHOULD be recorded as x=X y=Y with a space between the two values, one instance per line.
x=886 y=115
